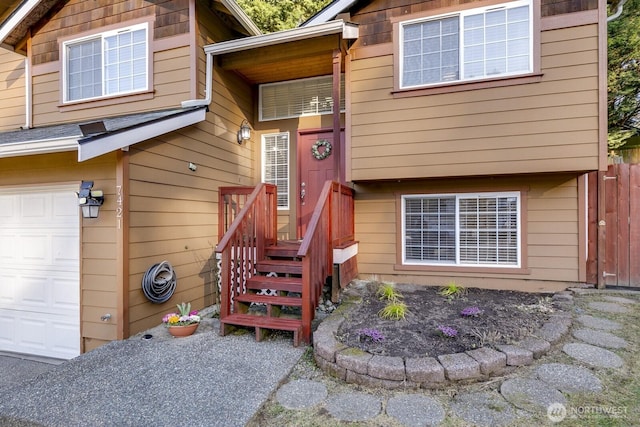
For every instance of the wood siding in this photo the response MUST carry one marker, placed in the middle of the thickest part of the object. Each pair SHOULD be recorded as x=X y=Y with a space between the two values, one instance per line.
x=529 y=128
x=98 y=293
x=172 y=85
x=550 y=254
x=560 y=7
x=171 y=17
x=174 y=211
x=12 y=90
x=374 y=18
x=169 y=47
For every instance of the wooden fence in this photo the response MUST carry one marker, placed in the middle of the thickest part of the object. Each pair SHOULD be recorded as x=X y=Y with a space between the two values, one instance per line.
x=618 y=245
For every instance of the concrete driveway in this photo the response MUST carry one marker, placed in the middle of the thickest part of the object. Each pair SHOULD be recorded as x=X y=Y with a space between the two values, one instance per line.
x=201 y=380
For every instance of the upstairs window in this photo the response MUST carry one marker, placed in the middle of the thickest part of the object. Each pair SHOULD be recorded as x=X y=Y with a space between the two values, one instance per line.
x=475 y=44
x=112 y=63
x=462 y=229
x=296 y=98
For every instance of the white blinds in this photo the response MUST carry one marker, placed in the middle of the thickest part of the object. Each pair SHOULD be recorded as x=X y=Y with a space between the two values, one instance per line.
x=275 y=165
x=297 y=98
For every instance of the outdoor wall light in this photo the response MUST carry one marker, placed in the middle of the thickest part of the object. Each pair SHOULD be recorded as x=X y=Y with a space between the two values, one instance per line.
x=244 y=133
x=90 y=200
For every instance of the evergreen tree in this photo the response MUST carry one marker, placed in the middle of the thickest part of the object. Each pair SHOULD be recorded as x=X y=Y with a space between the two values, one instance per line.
x=624 y=74
x=277 y=15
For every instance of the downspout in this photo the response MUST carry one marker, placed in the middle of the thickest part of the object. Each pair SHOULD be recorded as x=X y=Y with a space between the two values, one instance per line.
x=28 y=102
x=618 y=11
x=207 y=88
x=28 y=84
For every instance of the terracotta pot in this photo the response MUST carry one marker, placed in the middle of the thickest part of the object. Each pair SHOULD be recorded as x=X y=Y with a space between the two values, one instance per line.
x=183 y=331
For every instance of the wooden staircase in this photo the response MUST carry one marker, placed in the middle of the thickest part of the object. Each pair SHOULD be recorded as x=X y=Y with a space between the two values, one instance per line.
x=284 y=279
x=278 y=284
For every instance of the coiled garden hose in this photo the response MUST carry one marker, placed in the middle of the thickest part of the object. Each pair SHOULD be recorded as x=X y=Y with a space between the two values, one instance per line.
x=159 y=282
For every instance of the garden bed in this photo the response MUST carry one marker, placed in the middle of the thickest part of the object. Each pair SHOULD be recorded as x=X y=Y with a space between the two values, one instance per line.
x=470 y=336
x=503 y=318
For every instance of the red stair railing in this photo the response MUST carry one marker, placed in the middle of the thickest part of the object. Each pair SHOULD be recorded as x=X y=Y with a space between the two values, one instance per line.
x=331 y=225
x=242 y=246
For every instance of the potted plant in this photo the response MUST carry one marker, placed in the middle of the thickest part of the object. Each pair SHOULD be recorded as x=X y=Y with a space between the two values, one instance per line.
x=184 y=322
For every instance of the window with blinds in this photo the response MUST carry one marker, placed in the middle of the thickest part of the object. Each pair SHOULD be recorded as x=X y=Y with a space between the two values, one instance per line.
x=111 y=63
x=296 y=98
x=465 y=229
x=275 y=165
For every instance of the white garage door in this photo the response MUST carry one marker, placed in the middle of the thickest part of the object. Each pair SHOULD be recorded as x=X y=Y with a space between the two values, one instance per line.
x=39 y=271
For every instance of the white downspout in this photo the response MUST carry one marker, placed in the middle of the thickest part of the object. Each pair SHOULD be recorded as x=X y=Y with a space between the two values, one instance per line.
x=618 y=11
x=28 y=101
x=207 y=88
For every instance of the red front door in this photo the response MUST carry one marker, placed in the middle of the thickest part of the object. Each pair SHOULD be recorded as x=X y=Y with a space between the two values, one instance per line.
x=315 y=166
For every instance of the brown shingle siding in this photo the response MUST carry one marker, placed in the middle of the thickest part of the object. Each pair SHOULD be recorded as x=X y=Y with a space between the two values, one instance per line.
x=374 y=19
x=78 y=16
x=558 y=7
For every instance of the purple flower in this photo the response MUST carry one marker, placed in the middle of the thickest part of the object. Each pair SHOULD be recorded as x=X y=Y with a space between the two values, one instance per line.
x=373 y=334
x=448 y=331
x=470 y=312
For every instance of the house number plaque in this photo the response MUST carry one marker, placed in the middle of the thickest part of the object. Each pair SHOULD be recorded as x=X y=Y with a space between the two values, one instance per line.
x=119 y=205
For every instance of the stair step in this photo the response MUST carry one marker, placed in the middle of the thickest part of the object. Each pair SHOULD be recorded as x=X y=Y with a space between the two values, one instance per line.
x=270 y=299
x=283 y=250
x=262 y=322
x=279 y=266
x=288 y=284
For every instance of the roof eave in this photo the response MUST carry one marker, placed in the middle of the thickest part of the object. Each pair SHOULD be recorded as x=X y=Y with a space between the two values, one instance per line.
x=329 y=12
x=18 y=15
x=242 y=17
x=46 y=146
x=94 y=146
x=348 y=31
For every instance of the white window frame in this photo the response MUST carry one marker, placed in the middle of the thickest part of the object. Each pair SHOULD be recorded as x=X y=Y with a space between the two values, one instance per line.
x=314 y=100
x=102 y=38
x=458 y=197
x=287 y=167
x=461 y=45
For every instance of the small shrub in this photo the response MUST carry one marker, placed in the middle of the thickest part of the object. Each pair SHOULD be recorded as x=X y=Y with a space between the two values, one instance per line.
x=453 y=290
x=387 y=291
x=394 y=310
x=487 y=337
x=544 y=305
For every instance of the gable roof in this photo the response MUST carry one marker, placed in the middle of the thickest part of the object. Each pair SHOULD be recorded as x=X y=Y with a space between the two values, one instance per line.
x=118 y=132
x=329 y=12
x=18 y=16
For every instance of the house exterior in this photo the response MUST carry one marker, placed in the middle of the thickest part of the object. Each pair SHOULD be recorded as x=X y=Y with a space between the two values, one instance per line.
x=465 y=130
x=440 y=160
x=71 y=284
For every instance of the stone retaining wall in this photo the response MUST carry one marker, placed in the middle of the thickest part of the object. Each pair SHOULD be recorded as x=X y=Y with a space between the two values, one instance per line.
x=354 y=365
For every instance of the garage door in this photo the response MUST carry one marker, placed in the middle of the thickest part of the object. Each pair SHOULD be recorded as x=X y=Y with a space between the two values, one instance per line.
x=39 y=271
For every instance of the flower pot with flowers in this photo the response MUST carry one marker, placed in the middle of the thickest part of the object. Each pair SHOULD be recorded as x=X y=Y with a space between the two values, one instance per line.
x=184 y=322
